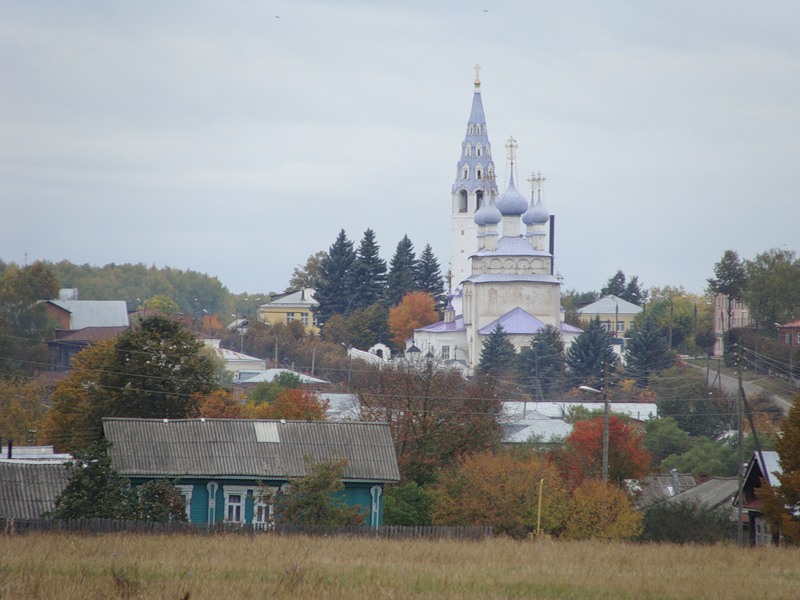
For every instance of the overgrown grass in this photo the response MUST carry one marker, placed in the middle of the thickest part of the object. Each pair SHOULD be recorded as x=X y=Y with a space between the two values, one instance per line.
x=265 y=566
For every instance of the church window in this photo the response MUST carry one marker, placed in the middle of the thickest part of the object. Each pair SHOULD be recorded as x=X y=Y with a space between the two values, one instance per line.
x=478 y=173
x=478 y=129
x=462 y=233
x=477 y=151
x=465 y=174
x=467 y=150
x=478 y=199
x=462 y=201
x=470 y=130
x=445 y=352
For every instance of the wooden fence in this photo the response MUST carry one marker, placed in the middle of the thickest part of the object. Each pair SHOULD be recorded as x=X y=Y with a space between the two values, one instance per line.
x=99 y=526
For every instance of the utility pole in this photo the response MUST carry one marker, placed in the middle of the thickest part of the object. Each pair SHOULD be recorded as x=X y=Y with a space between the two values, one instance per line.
x=605 y=421
x=740 y=459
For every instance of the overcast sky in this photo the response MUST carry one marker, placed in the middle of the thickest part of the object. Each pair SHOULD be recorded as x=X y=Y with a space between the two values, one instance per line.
x=237 y=138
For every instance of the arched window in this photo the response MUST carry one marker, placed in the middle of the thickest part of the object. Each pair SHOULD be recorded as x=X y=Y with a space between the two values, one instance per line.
x=478 y=129
x=465 y=173
x=478 y=199
x=478 y=173
x=470 y=130
x=462 y=201
x=478 y=151
x=468 y=150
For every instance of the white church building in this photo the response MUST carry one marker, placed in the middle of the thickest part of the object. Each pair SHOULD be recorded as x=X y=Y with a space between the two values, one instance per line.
x=501 y=263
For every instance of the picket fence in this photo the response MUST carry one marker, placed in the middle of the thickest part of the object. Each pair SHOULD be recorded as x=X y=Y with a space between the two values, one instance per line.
x=99 y=526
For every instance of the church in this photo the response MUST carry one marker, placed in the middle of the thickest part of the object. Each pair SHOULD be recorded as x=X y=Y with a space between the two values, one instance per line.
x=502 y=252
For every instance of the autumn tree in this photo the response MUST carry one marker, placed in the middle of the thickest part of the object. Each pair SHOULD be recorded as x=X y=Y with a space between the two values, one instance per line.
x=22 y=407
x=590 y=357
x=429 y=277
x=436 y=415
x=332 y=291
x=601 y=511
x=161 y=304
x=542 y=365
x=416 y=310
x=219 y=404
x=663 y=437
x=366 y=277
x=647 y=352
x=291 y=404
x=307 y=275
x=402 y=277
x=582 y=457
x=501 y=490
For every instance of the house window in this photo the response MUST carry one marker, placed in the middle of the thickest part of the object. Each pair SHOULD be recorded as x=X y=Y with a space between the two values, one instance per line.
x=234 y=503
x=620 y=325
x=186 y=494
x=263 y=509
x=304 y=318
x=289 y=317
x=445 y=352
x=607 y=326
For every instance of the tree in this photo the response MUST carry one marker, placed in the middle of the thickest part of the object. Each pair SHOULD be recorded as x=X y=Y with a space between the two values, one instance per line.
x=647 y=352
x=407 y=504
x=429 y=277
x=94 y=489
x=219 y=404
x=685 y=523
x=367 y=326
x=162 y=305
x=663 y=437
x=591 y=358
x=156 y=370
x=291 y=404
x=615 y=286
x=634 y=292
x=630 y=290
x=160 y=501
x=582 y=456
x=541 y=366
x=366 y=277
x=332 y=291
x=782 y=503
x=415 y=310
x=307 y=276
x=402 y=277
x=501 y=490
x=730 y=280
x=603 y=512
x=314 y=498
x=773 y=287
x=436 y=416
x=22 y=407
x=498 y=357
x=682 y=393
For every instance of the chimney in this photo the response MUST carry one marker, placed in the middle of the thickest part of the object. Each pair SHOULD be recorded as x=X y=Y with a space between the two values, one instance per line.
x=676 y=486
x=10 y=446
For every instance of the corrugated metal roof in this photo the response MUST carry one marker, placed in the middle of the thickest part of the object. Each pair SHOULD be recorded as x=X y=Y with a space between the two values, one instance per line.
x=659 y=486
x=231 y=448
x=95 y=313
x=28 y=489
x=517 y=321
x=610 y=304
x=712 y=493
x=269 y=375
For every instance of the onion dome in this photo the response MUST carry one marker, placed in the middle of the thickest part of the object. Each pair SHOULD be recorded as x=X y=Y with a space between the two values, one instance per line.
x=511 y=202
x=480 y=215
x=537 y=214
x=493 y=215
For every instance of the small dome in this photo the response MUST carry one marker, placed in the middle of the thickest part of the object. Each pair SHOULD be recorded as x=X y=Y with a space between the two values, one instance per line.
x=493 y=215
x=537 y=214
x=480 y=215
x=511 y=202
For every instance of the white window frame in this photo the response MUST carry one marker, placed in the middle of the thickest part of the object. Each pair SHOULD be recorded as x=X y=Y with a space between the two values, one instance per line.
x=289 y=317
x=186 y=492
x=266 y=519
x=304 y=318
x=236 y=490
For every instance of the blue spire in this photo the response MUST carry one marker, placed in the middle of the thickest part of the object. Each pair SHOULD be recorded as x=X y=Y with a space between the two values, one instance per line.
x=475 y=161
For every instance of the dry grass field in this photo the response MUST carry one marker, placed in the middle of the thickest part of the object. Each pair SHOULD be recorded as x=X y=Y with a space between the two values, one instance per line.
x=264 y=566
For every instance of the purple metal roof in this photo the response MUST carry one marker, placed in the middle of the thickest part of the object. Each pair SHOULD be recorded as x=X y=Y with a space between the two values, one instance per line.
x=515 y=322
x=512 y=246
x=442 y=327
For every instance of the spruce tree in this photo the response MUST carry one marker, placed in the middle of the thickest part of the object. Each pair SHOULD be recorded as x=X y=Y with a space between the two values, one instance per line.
x=402 y=273
x=497 y=354
x=367 y=276
x=648 y=352
x=590 y=357
x=429 y=277
x=333 y=293
x=541 y=367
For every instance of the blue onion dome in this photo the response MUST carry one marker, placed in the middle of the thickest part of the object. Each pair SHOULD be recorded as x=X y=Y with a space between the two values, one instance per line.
x=493 y=214
x=480 y=215
x=537 y=214
x=511 y=202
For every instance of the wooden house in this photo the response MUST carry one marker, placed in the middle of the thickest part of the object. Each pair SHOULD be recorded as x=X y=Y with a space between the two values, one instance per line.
x=222 y=466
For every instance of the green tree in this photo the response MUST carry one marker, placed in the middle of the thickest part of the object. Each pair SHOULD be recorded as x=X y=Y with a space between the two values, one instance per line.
x=429 y=277
x=615 y=286
x=402 y=278
x=647 y=352
x=590 y=357
x=663 y=437
x=367 y=274
x=407 y=504
x=156 y=371
x=630 y=290
x=498 y=357
x=163 y=305
x=307 y=276
x=730 y=280
x=368 y=326
x=315 y=499
x=686 y=523
x=332 y=291
x=160 y=501
x=773 y=287
x=541 y=367
x=94 y=489
x=682 y=393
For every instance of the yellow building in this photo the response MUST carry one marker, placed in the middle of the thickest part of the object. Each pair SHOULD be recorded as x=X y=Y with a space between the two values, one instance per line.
x=615 y=314
x=294 y=306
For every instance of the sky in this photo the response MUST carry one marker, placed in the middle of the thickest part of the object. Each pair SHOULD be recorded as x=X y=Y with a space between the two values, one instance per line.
x=238 y=138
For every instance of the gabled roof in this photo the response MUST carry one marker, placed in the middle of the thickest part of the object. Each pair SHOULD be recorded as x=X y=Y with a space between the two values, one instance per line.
x=241 y=448
x=442 y=327
x=94 y=313
x=517 y=321
x=768 y=470
x=610 y=305
x=304 y=297
x=715 y=492
x=659 y=486
x=269 y=375
x=29 y=488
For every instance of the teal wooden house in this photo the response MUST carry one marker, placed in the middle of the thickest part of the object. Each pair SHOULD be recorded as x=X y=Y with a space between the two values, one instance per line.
x=222 y=466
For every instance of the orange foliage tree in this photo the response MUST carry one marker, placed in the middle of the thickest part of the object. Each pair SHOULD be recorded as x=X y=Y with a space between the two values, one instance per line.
x=416 y=310
x=601 y=511
x=291 y=404
x=582 y=457
x=501 y=490
x=220 y=404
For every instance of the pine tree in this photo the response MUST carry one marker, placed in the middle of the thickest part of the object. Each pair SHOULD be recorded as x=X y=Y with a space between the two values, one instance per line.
x=590 y=357
x=730 y=280
x=429 y=277
x=541 y=367
x=615 y=286
x=333 y=293
x=367 y=276
x=402 y=273
x=497 y=354
x=648 y=352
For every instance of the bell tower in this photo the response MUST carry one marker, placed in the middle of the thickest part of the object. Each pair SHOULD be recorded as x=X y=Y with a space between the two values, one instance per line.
x=474 y=180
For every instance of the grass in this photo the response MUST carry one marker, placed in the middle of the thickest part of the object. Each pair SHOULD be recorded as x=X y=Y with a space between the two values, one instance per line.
x=265 y=566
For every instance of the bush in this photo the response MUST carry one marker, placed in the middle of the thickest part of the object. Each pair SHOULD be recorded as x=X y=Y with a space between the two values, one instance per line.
x=686 y=523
